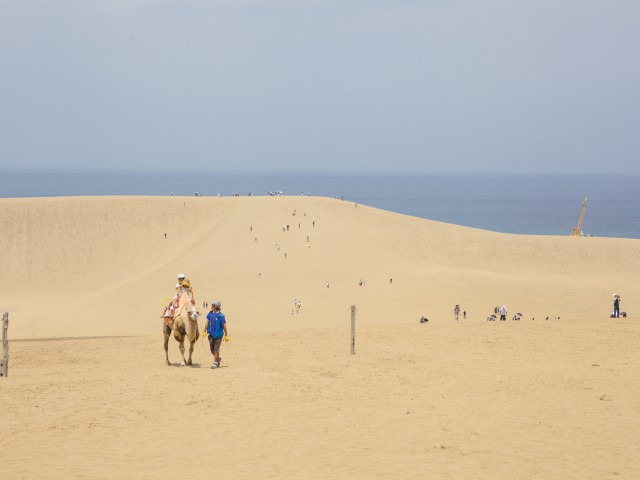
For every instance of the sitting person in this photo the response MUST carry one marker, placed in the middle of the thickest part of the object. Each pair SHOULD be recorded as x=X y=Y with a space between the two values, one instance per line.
x=183 y=286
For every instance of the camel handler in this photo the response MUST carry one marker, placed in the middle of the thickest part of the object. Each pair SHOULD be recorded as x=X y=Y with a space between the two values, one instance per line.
x=183 y=286
x=216 y=329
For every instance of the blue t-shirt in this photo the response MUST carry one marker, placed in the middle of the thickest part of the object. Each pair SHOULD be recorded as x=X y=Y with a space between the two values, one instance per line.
x=216 y=321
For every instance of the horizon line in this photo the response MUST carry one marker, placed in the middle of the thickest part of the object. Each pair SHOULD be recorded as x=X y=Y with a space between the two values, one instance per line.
x=308 y=173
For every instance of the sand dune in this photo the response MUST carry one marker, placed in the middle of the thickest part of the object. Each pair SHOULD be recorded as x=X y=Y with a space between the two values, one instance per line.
x=88 y=266
x=528 y=399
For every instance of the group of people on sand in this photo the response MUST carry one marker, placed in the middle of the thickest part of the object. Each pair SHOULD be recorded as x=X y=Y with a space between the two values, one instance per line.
x=215 y=328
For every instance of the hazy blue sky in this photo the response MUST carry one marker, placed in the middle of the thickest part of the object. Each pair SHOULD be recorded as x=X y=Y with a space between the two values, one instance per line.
x=409 y=86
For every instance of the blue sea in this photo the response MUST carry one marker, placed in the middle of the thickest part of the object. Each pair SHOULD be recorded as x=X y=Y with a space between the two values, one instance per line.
x=529 y=204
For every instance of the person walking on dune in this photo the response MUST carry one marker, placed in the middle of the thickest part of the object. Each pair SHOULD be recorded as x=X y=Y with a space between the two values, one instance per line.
x=616 y=305
x=503 y=313
x=216 y=330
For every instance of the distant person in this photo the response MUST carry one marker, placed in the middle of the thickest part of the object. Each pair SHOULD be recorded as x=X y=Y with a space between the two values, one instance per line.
x=216 y=330
x=390 y=280
x=616 y=306
x=503 y=313
x=327 y=284
x=165 y=236
x=456 y=312
x=464 y=315
x=314 y=223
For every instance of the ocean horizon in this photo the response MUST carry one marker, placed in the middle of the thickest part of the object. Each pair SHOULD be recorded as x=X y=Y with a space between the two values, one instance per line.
x=508 y=203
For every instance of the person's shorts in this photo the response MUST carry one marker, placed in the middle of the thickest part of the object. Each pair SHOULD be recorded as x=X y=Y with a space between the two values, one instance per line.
x=214 y=344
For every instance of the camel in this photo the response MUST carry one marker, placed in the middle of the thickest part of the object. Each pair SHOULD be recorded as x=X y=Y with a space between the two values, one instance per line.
x=185 y=325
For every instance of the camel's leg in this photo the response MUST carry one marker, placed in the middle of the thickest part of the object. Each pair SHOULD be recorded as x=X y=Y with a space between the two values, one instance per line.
x=167 y=333
x=182 y=352
x=191 y=344
x=193 y=336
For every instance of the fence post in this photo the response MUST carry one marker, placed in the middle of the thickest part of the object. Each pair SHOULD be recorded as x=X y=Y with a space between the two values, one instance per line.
x=4 y=360
x=353 y=329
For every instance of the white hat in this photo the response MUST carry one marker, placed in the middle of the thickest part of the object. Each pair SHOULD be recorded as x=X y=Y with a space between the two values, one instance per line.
x=181 y=275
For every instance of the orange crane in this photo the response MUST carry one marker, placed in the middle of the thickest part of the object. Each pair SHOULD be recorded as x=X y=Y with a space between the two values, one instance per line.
x=577 y=230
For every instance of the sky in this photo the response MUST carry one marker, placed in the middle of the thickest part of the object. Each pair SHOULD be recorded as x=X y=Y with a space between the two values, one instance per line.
x=439 y=86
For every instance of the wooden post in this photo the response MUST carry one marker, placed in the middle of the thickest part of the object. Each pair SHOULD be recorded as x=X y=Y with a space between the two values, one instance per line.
x=4 y=360
x=353 y=329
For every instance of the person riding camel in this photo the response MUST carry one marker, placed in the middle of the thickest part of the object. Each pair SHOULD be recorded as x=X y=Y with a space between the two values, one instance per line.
x=183 y=286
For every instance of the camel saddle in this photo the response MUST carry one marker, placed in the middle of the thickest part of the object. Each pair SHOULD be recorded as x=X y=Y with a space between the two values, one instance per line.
x=175 y=308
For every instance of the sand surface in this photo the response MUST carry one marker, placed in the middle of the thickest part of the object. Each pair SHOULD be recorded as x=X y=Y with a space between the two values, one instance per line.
x=555 y=398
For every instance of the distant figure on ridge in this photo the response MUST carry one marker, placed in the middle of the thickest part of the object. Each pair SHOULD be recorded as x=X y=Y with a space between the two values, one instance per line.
x=456 y=312
x=503 y=313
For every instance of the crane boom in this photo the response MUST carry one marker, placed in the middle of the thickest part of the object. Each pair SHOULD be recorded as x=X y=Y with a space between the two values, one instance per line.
x=577 y=230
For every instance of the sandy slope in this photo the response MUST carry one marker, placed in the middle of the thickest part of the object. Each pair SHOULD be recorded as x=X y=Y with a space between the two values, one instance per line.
x=101 y=266
x=474 y=399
